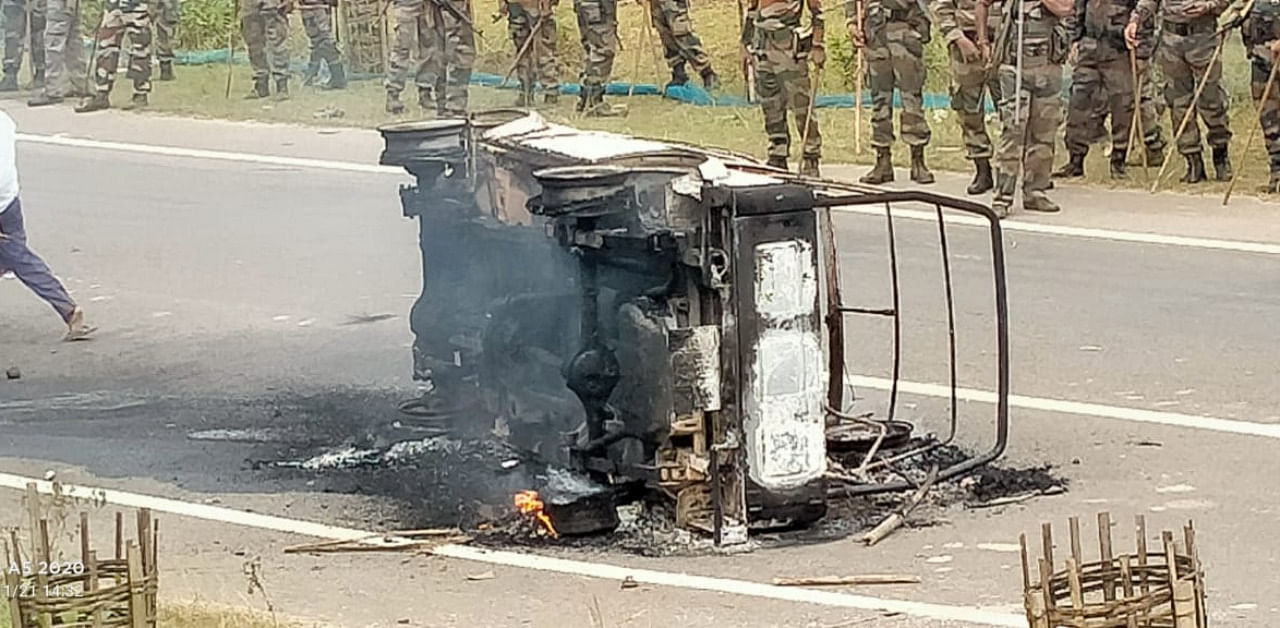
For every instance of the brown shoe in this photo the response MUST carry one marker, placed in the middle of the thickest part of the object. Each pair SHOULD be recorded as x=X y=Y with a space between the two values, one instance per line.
x=77 y=329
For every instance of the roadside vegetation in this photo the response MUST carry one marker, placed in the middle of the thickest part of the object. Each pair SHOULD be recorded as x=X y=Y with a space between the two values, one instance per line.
x=200 y=91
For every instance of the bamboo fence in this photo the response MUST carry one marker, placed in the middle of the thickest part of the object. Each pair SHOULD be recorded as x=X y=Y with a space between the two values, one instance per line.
x=1163 y=589
x=86 y=592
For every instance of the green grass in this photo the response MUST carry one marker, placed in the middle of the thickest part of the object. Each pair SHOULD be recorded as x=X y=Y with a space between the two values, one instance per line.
x=199 y=92
x=196 y=616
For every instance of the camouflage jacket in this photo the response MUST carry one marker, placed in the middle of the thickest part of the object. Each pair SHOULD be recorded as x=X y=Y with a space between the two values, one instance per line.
x=879 y=13
x=1261 y=28
x=1105 y=20
x=771 y=18
x=956 y=19
x=1176 y=10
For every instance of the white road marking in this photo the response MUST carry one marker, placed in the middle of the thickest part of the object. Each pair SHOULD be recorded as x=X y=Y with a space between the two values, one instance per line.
x=1240 y=246
x=616 y=573
x=197 y=153
x=1213 y=424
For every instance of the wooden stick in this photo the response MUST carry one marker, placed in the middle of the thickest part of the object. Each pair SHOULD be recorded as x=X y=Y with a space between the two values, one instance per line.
x=1026 y=566
x=1140 y=523
x=33 y=515
x=1046 y=576
x=137 y=584
x=1191 y=109
x=857 y=105
x=895 y=520
x=119 y=535
x=1076 y=552
x=1046 y=538
x=1077 y=593
x=1126 y=577
x=13 y=581
x=42 y=579
x=1253 y=131
x=1135 y=127
x=846 y=580
x=1104 y=549
x=91 y=585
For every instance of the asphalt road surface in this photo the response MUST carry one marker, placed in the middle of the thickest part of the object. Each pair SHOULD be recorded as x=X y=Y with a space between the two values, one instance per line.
x=249 y=289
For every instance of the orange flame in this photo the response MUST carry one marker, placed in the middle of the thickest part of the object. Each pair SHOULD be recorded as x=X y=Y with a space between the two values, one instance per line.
x=528 y=503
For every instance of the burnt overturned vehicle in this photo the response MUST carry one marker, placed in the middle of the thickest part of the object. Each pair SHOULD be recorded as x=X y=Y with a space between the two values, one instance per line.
x=663 y=320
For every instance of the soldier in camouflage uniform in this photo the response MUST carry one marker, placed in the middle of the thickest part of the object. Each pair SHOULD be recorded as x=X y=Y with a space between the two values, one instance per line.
x=455 y=55
x=598 y=27
x=1261 y=35
x=894 y=33
x=1029 y=118
x=772 y=35
x=120 y=18
x=17 y=29
x=680 y=44
x=317 y=21
x=415 y=37
x=1103 y=71
x=264 y=24
x=165 y=19
x=970 y=83
x=539 y=61
x=64 y=55
x=1187 y=42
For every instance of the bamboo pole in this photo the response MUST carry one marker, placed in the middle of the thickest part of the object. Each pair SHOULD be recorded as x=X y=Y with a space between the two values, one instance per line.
x=137 y=587
x=91 y=585
x=1104 y=549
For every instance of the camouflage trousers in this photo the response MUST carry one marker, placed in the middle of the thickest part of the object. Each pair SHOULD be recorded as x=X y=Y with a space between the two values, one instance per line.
x=1151 y=109
x=1184 y=59
x=265 y=29
x=64 y=50
x=782 y=84
x=598 y=27
x=538 y=65
x=456 y=59
x=120 y=18
x=970 y=83
x=895 y=59
x=1268 y=112
x=675 y=29
x=413 y=47
x=17 y=30
x=164 y=18
x=1102 y=72
x=1027 y=139
x=317 y=22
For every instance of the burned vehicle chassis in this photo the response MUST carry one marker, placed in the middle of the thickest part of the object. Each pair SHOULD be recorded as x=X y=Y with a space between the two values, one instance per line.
x=661 y=319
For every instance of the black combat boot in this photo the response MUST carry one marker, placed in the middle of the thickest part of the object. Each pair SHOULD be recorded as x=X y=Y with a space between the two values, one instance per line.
x=523 y=98
x=98 y=102
x=44 y=99
x=919 y=171
x=1222 y=163
x=981 y=177
x=394 y=106
x=166 y=70
x=260 y=89
x=597 y=107
x=1119 y=168
x=679 y=77
x=139 y=101
x=1002 y=200
x=551 y=97
x=1073 y=168
x=337 y=77
x=427 y=100
x=9 y=83
x=778 y=162
x=882 y=172
x=38 y=79
x=1195 y=169
x=710 y=80
x=809 y=167
x=1038 y=201
x=282 y=89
